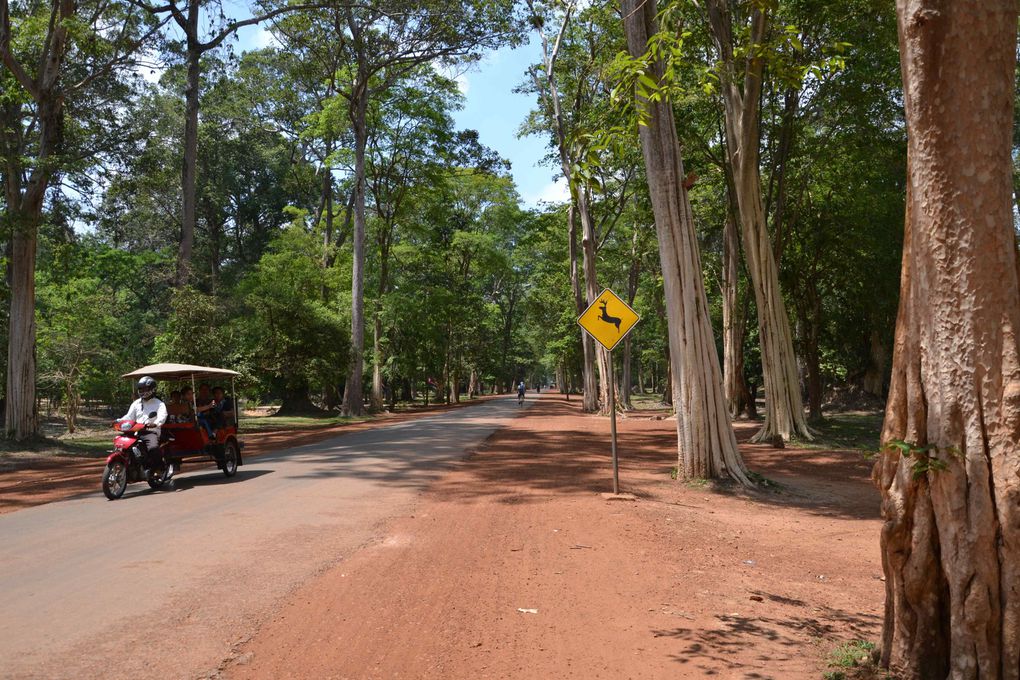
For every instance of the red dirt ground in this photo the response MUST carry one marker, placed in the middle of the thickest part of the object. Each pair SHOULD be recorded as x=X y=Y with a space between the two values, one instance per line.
x=684 y=582
x=54 y=478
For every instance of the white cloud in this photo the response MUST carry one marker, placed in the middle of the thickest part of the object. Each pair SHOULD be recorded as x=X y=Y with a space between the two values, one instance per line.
x=455 y=73
x=556 y=191
x=263 y=38
x=149 y=67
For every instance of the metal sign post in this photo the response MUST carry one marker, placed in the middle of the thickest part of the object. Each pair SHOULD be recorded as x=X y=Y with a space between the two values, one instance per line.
x=612 y=424
x=608 y=320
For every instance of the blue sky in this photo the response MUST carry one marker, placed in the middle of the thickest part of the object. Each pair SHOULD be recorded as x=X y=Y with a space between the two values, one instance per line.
x=492 y=108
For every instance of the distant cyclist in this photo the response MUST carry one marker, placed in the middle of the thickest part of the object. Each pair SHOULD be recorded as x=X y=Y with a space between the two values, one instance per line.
x=520 y=393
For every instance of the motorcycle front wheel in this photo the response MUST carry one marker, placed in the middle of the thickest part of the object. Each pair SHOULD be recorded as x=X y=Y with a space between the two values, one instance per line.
x=115 y=476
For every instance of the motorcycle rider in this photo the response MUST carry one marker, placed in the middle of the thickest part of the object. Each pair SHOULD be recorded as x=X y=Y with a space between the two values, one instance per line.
x=140 y=410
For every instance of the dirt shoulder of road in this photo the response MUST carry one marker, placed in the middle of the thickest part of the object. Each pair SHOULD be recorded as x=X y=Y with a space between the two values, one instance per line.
x=514 y=565
x=45 y=479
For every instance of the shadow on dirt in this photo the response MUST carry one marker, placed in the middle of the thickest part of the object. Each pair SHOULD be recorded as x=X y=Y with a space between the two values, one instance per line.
x=720 y=646
x=557 y=461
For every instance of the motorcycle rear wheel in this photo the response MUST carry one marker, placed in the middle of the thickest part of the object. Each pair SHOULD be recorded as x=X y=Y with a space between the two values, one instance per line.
x=157 y=481
x=230 y=457
x=115 y=481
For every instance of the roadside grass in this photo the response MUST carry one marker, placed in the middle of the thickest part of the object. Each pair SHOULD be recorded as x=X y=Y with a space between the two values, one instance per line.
x=79 y=446
x=17 y=455
x=854 y=431
x=262 y=420
x=854 y=660
x=647 y=401
x=278 y=423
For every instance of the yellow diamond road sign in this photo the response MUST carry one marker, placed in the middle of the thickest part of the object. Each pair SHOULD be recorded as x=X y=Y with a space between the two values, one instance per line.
x=608 y=319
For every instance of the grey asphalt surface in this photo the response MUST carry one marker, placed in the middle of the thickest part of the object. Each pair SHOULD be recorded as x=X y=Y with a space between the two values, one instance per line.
x=168 y=584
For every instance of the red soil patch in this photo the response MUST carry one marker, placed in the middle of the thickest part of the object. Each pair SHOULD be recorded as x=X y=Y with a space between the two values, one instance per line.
x=685 y=582
x=52 y=479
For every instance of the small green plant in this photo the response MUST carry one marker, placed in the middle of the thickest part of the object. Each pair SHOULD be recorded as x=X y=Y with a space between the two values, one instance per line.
x=854 y=660
x=926 y=458
x=694 y=483
x=761 y=481
x=851 y=654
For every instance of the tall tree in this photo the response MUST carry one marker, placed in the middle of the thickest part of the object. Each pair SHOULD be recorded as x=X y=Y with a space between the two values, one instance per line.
x=546 y=85
x=384 y=42
x=950 y=495
x=409 y=132
x=188 y=19
x=61 y=52
x=707 y=447
x=741 y=71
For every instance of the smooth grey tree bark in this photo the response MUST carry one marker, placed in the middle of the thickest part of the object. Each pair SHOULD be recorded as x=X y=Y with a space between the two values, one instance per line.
x=707 y=447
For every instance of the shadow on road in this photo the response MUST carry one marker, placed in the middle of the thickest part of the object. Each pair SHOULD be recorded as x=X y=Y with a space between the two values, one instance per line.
x=197 y=480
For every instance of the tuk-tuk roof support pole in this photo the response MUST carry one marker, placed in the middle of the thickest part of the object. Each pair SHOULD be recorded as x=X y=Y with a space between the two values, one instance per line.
x=194 y=398
x=237 y=404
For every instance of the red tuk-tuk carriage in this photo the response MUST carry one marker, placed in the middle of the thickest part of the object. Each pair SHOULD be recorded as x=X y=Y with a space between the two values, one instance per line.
x=179 y=441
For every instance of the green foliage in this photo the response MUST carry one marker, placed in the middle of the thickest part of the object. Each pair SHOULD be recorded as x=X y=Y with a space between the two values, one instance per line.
x=926 y=457
x=462 y=280
x=95 y=312
x=288 y=338
x=196 y=331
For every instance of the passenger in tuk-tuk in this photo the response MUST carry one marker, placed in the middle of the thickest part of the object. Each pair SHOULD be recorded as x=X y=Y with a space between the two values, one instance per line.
x=223 y=409
x=188 y=400
x=203 y=406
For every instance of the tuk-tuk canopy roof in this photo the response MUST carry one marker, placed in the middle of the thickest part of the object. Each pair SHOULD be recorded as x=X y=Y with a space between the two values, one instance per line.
x=179 y=372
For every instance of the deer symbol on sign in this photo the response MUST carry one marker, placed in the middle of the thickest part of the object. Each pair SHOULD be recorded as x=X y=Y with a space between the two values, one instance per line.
x=604 y=316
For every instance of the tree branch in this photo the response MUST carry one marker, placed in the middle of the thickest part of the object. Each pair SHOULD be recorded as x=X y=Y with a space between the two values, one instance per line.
x=9 y=61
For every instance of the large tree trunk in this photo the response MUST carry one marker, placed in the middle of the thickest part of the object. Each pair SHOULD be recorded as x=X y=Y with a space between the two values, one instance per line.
x=951 y=511
x=353 y=403
x=784 y=408
x=377 y=396
x=473 y=385
x=735 y=387
x=811 y=326
x=21 y=419
x=592 y=289
x=707 y=447
x=296 y=401
x=189 y=169
x=626 y=375
x=24 y=208
x=578 y=205
x=874 y=377
x=326 y=210
x=589 y=390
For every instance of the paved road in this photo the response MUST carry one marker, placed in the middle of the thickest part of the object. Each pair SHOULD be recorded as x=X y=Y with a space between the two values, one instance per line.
x=169 y=584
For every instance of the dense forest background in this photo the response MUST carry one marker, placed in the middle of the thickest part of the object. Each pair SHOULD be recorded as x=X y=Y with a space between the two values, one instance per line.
x=464 y=290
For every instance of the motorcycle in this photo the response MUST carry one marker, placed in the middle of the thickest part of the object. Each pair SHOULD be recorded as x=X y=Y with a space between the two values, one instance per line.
x=129 y=461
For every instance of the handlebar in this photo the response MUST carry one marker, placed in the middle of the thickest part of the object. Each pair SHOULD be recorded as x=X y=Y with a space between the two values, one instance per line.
x=131 y=426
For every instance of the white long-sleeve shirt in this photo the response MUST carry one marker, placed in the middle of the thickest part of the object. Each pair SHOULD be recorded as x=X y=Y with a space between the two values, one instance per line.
x=140 y=409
